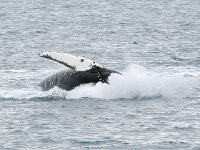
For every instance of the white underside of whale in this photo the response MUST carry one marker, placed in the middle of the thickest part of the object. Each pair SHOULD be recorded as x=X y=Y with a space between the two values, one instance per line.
x=77 y=63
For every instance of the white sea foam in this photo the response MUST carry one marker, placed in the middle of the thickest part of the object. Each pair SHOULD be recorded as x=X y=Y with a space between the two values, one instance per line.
x=136 y=82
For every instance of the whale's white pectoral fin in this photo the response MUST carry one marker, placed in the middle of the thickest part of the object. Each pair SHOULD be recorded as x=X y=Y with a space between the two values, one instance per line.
x=73 y=62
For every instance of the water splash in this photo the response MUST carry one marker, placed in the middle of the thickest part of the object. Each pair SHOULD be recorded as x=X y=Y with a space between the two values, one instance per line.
x=136 y=82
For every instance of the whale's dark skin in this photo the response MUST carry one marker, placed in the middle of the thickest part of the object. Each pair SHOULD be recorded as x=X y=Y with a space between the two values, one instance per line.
x=69 y=79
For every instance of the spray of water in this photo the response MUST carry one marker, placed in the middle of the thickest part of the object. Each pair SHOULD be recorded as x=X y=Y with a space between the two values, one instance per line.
x=136 y=82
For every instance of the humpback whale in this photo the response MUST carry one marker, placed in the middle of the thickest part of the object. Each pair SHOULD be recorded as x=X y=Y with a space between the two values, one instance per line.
x=82 y=71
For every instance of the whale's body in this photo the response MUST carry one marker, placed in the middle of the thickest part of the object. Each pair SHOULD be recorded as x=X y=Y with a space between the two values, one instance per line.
x=82 y=71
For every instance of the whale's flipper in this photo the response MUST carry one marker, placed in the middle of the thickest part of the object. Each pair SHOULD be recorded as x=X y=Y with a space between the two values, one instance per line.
x=73 y=62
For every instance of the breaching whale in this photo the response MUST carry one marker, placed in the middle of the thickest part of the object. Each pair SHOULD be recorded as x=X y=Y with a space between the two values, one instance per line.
x=82 y=71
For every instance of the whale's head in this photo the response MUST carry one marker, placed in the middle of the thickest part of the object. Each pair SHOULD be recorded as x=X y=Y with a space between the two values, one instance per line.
x=96 y=74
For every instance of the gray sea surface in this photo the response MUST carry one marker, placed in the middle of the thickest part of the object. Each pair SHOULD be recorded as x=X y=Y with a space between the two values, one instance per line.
x=155 y=104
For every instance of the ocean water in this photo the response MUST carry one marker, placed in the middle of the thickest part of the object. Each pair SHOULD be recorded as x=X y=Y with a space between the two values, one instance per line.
x=154 y=105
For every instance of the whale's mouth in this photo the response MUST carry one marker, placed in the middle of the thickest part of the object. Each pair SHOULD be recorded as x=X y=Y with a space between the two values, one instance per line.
x=103 y=73
x=103 y=76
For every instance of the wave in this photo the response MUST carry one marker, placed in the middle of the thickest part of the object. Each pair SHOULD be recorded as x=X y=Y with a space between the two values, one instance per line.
x=135 y=83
